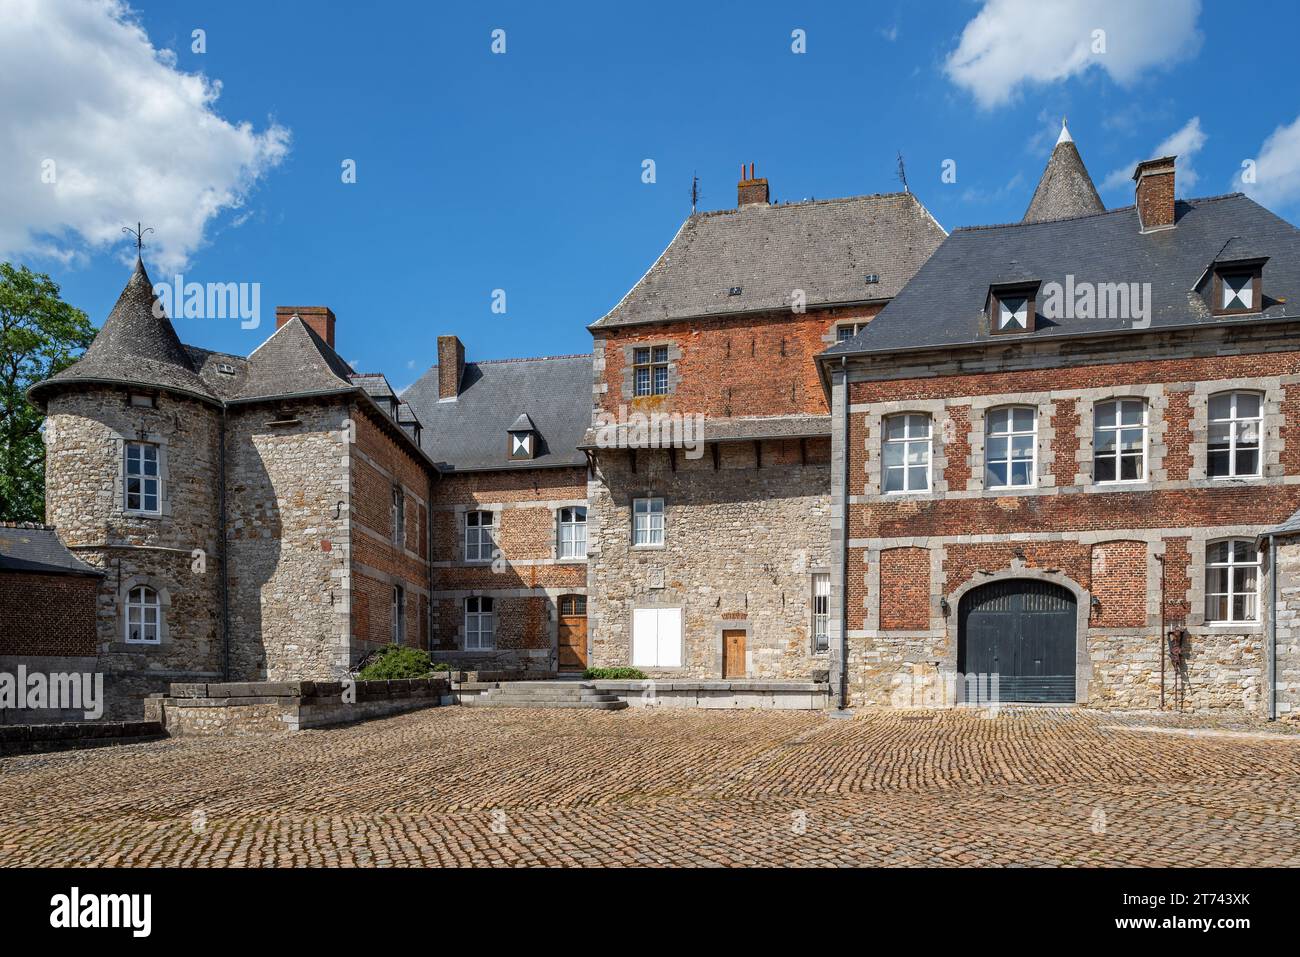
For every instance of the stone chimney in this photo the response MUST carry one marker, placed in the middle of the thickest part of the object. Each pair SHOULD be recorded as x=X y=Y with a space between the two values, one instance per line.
x=319 y=318
x=451 y=366
x=1155 y=192
x=750 y=191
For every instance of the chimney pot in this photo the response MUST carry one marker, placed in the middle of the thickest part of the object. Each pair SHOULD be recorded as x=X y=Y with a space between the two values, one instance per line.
x=1154 y=194
x=320 y=319
x=451 y=366
x=751 y=191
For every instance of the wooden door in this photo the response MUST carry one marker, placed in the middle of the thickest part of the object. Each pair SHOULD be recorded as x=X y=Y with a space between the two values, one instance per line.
x=573 y=633
x=733 y=654
x=1023 y=631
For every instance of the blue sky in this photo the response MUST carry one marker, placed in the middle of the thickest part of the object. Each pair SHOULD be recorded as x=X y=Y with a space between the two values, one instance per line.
x=522 y=171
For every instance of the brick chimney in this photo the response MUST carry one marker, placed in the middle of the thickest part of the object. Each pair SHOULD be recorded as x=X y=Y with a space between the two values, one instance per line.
x=319 y=318
x=451 y=366
x=750 y=191
x=1155 y=192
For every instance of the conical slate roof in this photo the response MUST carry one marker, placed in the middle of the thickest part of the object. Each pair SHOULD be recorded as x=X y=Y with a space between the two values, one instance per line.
x=135 y=346
x=1066 y=189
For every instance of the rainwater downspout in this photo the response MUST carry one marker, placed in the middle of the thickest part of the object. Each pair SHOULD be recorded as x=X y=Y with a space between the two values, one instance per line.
x=1271 y=669
x=844 y=548
x=221 y=547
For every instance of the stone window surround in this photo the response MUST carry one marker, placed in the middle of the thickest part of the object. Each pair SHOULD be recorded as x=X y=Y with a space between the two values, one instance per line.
x=812 y=614
x=164 y=485
x=121 y=645
x=462 y=517
x=1044 y=440
x=555 y=543
x=1198 y=546
x=641 y=604
x=497 y=509
x=940 y=426
x=462 y=629
x=631 y=522
x=871 y=619
x=629 y=356
x=1156 y=397
x=1272 y=391
x=496 y=594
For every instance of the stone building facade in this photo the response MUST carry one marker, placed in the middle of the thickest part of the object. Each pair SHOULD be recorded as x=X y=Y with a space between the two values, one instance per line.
x=1083 y=498
x=230 y=503
x=710 y=534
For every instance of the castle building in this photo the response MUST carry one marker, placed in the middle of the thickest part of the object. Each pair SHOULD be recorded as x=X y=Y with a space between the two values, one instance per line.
x=1049 y=461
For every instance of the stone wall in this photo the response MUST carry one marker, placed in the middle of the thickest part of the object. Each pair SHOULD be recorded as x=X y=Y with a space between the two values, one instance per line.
x=288 y=536
x=174 y=552
x=1287 y=678
x=740 y=546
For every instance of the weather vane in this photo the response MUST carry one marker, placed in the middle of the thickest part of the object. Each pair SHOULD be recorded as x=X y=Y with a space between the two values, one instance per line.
x=138 y=233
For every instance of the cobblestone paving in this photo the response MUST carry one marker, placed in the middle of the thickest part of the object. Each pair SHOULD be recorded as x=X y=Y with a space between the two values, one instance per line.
x=504 y=787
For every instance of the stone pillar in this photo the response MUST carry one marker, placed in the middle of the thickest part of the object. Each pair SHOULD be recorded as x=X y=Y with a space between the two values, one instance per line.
x=839 y=531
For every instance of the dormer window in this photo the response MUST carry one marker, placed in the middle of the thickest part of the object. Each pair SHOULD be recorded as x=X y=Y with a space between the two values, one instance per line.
x=1011 y=309
x=1237 y=287
x=523 y=438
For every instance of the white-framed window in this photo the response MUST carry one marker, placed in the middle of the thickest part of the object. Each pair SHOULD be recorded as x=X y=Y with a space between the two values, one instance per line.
x=1232 y=581
x=650 y=370
x=907 y=453
x=480 y=624
x=1236 y=421
x=1119 y=441
x=847 y=330
x=399 y=615
x=143 y=484
x=656 y=637
x=647 y=521
x=821 y=598
x=143 y=616
x=1010 y=447
x=397 y=512
x=480 y=536
x=573 y=532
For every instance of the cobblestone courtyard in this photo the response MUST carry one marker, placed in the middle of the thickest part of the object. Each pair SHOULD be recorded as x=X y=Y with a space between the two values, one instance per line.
x=456 y=786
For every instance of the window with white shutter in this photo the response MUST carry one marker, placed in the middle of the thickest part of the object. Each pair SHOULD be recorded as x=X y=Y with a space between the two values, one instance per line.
x=657 y=638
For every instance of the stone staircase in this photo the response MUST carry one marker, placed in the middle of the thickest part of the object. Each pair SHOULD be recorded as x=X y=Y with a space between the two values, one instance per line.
x=546 y=694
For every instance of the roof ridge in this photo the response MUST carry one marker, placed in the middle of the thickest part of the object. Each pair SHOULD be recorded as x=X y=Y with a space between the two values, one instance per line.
x=35 y=526
x=1194 y=201
x=485 y=362
x=798 y=203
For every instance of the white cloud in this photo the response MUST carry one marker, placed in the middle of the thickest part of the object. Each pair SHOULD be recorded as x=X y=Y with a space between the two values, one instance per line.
x=1011 y=43
x=129 y=137
x=1277 y=168
x=1184 y=143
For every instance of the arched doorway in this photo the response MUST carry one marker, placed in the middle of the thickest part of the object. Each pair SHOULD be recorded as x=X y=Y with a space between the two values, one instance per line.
x=1022 y=630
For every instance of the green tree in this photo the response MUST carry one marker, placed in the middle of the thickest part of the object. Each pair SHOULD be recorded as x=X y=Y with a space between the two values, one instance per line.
x=40 y=335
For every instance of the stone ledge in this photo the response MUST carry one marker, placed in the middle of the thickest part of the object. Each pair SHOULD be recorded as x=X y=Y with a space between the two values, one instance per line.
x=30 y=738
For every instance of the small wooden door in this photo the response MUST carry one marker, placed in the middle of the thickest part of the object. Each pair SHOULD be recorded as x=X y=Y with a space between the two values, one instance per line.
x=733 y=654
x=573 y=633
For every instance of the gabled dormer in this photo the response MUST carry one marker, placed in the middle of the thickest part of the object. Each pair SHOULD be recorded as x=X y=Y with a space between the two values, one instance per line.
x=523 y=438
x=1011 y=307
x=1233 y=285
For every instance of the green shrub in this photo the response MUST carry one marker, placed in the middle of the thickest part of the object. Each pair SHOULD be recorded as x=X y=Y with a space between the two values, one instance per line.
x=614 y=674
x=398 y=662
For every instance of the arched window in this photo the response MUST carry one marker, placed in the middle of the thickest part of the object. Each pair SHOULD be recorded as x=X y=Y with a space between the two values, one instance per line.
x=1119 y=441
x=906 y=453
x=143 y=616
x=1010 y=436
x=1232 y=581
x=1233 y=449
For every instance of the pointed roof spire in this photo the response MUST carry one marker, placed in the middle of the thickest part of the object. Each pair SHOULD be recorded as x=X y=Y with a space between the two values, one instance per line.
x=1065 y=189
x=136 y=345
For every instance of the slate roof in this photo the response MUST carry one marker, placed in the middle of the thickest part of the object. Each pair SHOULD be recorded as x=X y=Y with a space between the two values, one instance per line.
x=37 y=548
x=470 y=433
x=824 y=247
x=295 y=361
x=943 y=305
x=1065 y=189
x=134 y=347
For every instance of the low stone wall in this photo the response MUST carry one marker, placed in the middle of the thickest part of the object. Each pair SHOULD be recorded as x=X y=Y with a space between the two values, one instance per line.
x=35 y=738
x=271 y=707
x=765 y=695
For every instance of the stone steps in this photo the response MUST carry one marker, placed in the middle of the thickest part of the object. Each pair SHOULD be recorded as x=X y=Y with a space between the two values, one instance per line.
x=547 y=694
